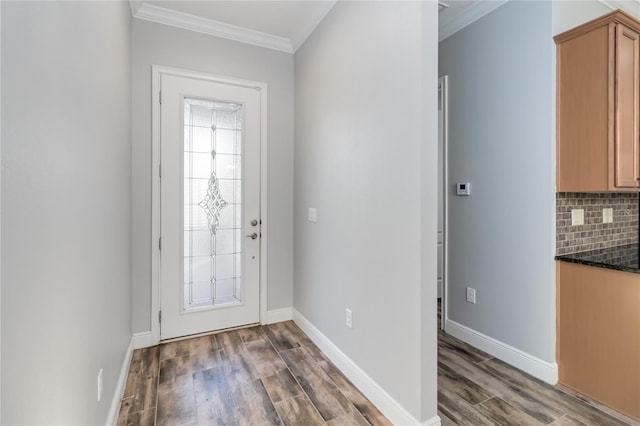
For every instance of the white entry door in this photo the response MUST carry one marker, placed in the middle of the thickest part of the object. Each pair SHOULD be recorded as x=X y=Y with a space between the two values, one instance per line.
x=209 y=206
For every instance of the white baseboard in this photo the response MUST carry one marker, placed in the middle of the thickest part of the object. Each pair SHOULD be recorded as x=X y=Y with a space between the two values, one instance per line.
x=391 y=408
x=545 y=371
x=279 y=315
x=112 y=417
x=143 y=340
x=434 y=421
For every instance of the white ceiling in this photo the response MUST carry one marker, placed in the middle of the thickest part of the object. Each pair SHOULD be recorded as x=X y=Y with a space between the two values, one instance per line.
x=281 y=25
x=460 y=13
x=453 y=8
x=288 y=19
x=284 y=25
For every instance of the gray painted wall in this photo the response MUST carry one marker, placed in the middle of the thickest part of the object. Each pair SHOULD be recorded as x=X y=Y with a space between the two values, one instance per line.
x=501 y=238
x=162 y=45
x=358 y=160
x=0 y=213
x=66 y=218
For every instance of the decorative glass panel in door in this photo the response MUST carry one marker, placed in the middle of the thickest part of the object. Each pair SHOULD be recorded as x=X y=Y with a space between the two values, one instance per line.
x=212 y=203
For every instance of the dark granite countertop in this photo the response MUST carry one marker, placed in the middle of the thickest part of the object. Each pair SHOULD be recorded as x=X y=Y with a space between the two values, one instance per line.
x=621 y=258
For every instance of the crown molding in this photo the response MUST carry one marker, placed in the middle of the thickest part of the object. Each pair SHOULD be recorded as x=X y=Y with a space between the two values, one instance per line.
x=161 y=15
x=135 y=6
x=298 y=39
x=625 y=5
x=468 y=16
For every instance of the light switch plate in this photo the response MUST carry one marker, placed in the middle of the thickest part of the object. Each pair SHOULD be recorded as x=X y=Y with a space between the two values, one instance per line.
x=607 y=215
x=313 y=214
x=577 y=217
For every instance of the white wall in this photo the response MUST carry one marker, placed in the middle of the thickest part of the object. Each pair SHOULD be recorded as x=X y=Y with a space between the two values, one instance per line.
x=358 y=160
x=501 y=238
x=429 y=215
x=66 y=188
x=163 y=45
x=569 y=14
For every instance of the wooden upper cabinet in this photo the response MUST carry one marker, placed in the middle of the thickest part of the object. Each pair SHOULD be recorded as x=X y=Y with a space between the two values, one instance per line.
x=627 y=161
x=598 y=106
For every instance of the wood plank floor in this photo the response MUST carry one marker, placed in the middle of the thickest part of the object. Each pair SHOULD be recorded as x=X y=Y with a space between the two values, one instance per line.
x=276 y=375
x=271 y=375
x=476 y=389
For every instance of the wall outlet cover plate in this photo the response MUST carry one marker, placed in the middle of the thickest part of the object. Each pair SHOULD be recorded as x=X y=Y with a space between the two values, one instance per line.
x=577 y=217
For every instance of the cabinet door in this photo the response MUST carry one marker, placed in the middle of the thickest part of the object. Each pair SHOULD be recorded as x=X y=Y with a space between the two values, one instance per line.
x=627 y=150
x=585 y=104
x=599 y=334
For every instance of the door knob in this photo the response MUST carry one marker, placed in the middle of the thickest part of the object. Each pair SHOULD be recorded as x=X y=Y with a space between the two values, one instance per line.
x=254 y=222
x=252 y=236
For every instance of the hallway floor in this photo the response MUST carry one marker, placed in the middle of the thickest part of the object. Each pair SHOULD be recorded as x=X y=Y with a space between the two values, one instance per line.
x=268 y=375
x=275 y=375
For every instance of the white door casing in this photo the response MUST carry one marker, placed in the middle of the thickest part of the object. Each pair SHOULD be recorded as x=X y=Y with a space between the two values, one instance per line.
x=443 y=193
x=170 y=89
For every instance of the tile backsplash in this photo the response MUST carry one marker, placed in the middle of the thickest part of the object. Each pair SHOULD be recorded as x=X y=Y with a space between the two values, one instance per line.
x=594 y=234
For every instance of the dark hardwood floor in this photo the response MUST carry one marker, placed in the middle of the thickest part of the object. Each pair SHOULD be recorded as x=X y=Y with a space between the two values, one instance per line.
x=267 y=375
x=276 y=375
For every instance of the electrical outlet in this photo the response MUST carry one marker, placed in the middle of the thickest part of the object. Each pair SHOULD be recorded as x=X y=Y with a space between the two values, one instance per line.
x=607 y=215
x=471 y=295
x=577 y=217
x=99 y=385
x=348 y=318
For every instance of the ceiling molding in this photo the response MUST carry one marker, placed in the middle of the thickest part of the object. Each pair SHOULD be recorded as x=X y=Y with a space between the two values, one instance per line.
x=468 y=16
x=623 y=5
x=161 y=15
x=135 y=6
x=298 y=39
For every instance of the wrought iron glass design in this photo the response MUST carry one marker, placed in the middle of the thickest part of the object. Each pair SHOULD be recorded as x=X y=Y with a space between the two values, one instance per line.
x=212 y=203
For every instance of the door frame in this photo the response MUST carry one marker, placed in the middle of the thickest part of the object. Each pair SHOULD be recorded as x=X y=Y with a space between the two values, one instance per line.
x=443 y=95
x=157 y=71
